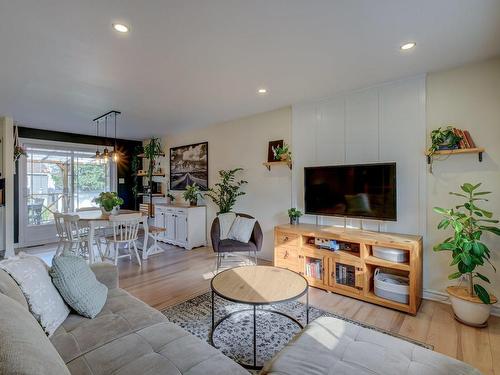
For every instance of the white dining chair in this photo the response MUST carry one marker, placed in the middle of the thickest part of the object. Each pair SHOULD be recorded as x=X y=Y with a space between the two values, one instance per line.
x=76 y=239
x=61 y=233
x=126 y=233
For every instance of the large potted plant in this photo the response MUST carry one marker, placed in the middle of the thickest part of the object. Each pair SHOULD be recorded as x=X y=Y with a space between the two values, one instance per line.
x=225 y=192
x=109 y=202
x=191 y=194
x=471 y=303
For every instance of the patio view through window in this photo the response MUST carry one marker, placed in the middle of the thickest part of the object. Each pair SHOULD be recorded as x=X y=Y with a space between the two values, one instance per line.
x=63 y=180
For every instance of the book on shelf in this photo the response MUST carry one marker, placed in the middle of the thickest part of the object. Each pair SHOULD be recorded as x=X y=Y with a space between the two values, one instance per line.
x=465 y=141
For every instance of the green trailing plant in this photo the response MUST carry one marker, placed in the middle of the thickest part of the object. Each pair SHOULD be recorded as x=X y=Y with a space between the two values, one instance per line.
x=225 y=192
x=151 y=152
x=468 y=222
x=443 y=137
x=171 y=197
x=108 y=200
x=191 y=194
x=136 y=164
x=294 y=215
x=282 y=152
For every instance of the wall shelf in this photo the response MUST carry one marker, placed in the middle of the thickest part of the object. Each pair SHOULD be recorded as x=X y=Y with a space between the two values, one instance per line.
x=476 y=150
x=270 y=164
x=143 y=156
x=152 y=195
x=154 y=175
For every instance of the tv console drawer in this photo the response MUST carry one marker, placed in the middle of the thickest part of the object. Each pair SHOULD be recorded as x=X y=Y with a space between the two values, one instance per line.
x=289 y=239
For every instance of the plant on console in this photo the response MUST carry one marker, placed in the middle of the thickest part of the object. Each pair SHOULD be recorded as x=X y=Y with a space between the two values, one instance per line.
x=191 y=194
x=294 y=215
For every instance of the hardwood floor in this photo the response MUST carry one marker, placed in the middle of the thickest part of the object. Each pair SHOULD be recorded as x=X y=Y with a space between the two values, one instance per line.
x=177 y=275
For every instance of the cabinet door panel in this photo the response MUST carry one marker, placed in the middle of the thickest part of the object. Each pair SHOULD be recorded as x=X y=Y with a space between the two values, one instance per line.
x=181 y=228
x=170 y=226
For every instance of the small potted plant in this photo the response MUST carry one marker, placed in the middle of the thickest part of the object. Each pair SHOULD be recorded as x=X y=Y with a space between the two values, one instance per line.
x=472 y=303
x=282 y=153
x=191 y=194
x=294 y=215
x=170 y=198
x=109 y=202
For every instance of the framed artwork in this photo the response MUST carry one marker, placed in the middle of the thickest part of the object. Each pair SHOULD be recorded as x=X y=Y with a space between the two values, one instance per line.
x=188 y=165
x=270 y=153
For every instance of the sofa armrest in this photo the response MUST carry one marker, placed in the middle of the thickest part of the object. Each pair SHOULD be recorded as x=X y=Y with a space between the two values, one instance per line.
x=215 y=234
x=106 y=274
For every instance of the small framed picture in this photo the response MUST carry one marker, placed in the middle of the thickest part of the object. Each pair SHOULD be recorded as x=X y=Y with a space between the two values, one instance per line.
x=273 y=144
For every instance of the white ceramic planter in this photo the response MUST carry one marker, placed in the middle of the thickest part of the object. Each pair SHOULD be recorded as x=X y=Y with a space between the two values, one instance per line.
x=469 y=310
x=114 y=211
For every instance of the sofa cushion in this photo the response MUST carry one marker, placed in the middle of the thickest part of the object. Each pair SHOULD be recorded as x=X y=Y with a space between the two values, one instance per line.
x=78 y=285
x=228 y=246
x=161 y=349
x=24 y=347
x=10 y=288
x=32 y=276
x=225 y=222
x=334 y=346
x=121 y=315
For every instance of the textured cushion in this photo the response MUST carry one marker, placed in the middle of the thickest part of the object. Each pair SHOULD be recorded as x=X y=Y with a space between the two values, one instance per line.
x=242 y=229
x=78 y=285
x=44 y=301
x=10 y=288
x=225 y=222
x=334 y=346
x=232 y=246
x=129 y=337
x=24 y=347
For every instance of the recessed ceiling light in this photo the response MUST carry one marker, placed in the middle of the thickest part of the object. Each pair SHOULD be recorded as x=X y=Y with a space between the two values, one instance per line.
x=121 y=28
x=262 y=91
x=408 y=46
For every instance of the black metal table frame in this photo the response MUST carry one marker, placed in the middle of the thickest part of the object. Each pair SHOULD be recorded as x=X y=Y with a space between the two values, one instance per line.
x=254 y=309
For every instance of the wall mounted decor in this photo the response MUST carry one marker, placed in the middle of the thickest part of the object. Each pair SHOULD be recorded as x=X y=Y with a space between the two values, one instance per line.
x=189 y=165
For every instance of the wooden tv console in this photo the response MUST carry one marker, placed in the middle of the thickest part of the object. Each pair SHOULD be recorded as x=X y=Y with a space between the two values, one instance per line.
x=293 y=250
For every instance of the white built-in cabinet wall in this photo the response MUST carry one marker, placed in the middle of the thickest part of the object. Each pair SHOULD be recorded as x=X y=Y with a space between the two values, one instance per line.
x=383 y=123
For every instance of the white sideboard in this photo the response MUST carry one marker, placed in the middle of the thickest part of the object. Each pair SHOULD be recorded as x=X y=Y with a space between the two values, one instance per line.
x=186 y=226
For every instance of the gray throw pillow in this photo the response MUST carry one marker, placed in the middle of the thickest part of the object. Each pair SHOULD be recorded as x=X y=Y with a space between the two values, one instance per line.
x=78 y=285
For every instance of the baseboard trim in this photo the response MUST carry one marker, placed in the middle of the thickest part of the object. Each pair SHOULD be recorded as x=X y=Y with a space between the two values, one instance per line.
x=434 y=295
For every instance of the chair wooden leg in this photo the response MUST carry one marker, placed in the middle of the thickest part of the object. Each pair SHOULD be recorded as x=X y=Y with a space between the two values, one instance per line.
x=137 y=254
x=116 y=252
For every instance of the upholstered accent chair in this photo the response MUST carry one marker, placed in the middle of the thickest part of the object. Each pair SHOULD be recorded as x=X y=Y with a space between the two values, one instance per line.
x=227 y=246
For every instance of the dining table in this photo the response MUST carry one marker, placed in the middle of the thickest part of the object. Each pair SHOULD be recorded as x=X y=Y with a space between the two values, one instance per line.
x=96 y=218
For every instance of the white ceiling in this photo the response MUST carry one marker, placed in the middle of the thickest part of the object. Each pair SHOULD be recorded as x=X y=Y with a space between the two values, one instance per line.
x=192 y=63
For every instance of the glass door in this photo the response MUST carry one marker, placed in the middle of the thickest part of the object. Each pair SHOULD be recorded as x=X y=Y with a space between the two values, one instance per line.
x=56 y=177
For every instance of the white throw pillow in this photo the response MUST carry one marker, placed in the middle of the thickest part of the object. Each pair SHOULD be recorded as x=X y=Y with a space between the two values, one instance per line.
x=225 y=222
x=242 y=229
x=44 y=301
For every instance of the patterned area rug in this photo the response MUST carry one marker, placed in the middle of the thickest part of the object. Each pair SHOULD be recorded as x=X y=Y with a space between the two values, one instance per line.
x=234 y=336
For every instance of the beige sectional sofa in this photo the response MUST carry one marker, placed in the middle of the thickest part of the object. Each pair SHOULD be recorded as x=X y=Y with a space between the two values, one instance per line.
x=127 y=337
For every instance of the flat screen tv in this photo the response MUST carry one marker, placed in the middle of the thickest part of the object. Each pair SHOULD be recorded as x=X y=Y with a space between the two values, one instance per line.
x=360 y=191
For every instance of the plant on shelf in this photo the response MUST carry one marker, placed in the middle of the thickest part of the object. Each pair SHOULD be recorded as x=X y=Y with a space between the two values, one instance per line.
x=443 y=138
x=282 y=153
x=225 y=192
x=109 y=202
x=294 y=215
x=471 y=304
x=151 y=152
x=191 y=194
x=135 y=165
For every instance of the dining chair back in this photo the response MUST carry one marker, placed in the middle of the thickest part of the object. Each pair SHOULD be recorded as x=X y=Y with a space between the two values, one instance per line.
x=126 y=232
x=76 y=238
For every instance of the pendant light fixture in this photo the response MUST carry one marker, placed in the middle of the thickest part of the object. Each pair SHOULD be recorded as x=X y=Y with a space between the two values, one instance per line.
x=106 y=153
x=97 y=153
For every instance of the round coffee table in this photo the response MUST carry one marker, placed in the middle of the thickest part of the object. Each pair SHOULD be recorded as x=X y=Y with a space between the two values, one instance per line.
x=258 y=286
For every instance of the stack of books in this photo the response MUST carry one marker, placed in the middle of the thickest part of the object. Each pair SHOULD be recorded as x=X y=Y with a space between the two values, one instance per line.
x=465 y=142
x=314 y=269
x=346 y=275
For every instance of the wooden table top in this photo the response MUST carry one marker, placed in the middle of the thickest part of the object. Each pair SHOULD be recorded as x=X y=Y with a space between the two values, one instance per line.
x=259 y=285
x=97 y=215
